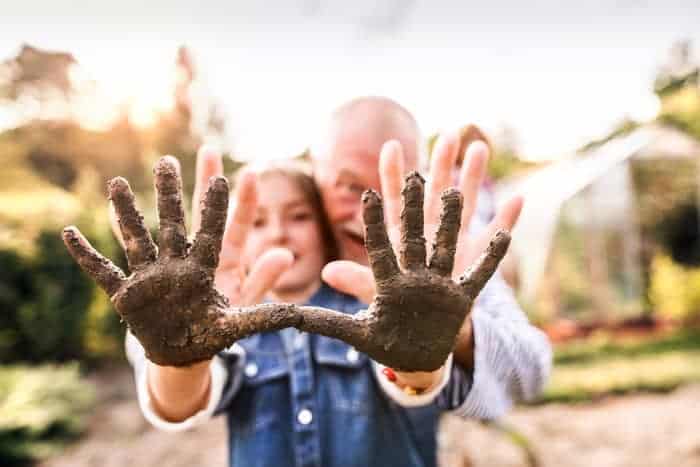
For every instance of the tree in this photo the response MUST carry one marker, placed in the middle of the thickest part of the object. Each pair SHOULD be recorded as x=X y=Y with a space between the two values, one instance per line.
x=39 y=75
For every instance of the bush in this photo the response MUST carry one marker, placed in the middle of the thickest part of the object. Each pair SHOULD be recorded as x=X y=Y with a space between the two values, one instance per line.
x=40 y=409
x=16 y=288
x=675 y=290
x=51 y=311
x=52 y=323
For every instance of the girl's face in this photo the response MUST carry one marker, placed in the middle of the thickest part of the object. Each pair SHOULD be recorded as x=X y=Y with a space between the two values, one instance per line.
x=285 y=218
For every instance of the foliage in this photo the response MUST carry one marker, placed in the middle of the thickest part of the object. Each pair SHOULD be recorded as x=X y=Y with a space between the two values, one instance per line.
x=16 y=288
x=36 y=72
x=51 y=311
x=681 y=109
x=53 y=321
x=588 y=370
x=54 y=174
x=505 y=163
x=601 y=347
x=675 y=289
x=678 y=86
x=40 y=409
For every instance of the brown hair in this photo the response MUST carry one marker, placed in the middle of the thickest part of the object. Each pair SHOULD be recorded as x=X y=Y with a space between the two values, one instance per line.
x=468 y=135
x=299 y=173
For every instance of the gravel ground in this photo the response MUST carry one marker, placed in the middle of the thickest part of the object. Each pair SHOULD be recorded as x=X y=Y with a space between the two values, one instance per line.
x=638 y=430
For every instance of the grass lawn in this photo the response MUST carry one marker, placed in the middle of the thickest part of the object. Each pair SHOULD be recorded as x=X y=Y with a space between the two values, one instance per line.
x=600 y=366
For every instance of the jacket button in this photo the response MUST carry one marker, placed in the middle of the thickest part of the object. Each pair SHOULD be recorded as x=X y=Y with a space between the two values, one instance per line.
x=352 y=356
x=305 y=416
x=251 y=370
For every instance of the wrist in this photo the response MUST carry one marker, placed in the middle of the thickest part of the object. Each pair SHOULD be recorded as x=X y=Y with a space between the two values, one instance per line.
x=464 y=345
x=419 y=381
x=409 y=396
x=189 y=371
x=178 y=392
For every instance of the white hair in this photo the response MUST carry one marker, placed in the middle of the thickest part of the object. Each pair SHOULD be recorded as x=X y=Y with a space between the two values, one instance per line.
x=320 y=147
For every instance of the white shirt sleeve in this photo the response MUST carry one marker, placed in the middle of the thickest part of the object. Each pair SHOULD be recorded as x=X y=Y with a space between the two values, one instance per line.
x=512 y=358
x=406 y=400
x=137 y=358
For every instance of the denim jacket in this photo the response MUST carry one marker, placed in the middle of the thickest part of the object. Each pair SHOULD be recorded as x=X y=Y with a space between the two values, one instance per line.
x=307 y=400
x=294 y=399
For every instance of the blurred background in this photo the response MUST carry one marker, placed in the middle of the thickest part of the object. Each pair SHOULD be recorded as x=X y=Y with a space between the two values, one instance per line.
x=593 y=109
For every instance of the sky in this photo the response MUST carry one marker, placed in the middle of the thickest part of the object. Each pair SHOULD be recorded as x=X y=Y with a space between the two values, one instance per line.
x=559 y=73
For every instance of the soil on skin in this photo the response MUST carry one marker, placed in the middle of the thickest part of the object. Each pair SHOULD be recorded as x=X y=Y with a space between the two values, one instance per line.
x=640 y=430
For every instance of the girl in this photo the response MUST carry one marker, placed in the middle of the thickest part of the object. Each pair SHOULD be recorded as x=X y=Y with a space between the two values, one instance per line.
x=294 y=399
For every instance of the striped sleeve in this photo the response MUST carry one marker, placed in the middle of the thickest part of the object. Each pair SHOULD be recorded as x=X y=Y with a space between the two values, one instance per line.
x=512 y=358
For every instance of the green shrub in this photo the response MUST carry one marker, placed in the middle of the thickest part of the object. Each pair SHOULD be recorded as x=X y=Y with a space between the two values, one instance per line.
x=675 y=290
x=40 y=409
x=50 y=310
x=16 y=288
x=52 y=323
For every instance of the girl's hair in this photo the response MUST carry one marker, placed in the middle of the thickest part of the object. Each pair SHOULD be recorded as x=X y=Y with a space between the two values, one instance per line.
x=468 y=135
x=299 y=173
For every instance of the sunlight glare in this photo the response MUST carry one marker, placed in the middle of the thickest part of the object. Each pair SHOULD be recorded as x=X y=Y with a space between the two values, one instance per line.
x=143 y=95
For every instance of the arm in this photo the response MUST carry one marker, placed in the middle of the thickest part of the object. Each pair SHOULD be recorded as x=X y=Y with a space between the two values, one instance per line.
x=511 y=359
x=179 y=404
x=172 y=308
x=192 y=390
x=503 y=357
x=178 y=393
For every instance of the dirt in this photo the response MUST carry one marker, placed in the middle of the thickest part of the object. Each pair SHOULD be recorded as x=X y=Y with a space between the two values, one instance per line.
x=172 y=308
x=631 y=431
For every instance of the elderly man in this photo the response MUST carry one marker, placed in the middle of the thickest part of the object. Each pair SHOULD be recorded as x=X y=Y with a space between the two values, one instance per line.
x=371 y=143
x=505 y=356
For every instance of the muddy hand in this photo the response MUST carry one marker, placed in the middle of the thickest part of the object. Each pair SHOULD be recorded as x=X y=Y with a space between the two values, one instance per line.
x=419 y=309
x=168 y=301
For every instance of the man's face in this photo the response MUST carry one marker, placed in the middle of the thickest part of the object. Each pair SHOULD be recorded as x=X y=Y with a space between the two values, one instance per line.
x=350 y=167
x=342 y=177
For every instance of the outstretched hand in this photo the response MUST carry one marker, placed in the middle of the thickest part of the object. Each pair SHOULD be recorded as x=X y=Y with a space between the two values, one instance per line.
x=171 y=305
x=357 y=280
x=168 y=301
x=418 y=308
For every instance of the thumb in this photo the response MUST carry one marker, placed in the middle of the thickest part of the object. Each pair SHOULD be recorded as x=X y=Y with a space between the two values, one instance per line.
x=350 y=278
x=264 y=274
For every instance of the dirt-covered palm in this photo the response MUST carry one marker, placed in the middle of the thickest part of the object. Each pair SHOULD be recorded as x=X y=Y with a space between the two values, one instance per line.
x=418 y=309
x=171 y=305
x=168 y=301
